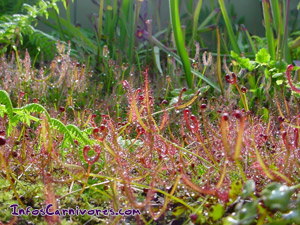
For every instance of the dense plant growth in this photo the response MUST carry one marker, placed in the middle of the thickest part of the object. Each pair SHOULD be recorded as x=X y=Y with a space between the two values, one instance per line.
x=109 y=127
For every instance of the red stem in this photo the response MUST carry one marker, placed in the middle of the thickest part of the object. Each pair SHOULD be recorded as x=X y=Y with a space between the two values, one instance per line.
x=288 y=74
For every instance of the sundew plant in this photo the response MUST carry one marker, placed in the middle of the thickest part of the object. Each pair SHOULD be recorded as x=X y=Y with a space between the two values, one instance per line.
x=136 y=123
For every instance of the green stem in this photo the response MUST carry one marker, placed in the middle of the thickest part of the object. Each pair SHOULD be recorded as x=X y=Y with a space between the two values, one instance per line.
x=200 y=80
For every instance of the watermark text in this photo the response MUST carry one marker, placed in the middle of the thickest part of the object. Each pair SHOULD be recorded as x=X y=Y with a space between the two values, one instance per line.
x=48 y=211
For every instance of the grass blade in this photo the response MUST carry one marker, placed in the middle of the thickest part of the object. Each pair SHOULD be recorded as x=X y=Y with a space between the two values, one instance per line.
x=269 y=33
x=276 y=15
x=114 y=21
x=177 y=58
x=204 y=29
x=229 y=28
x=295 y=43
x=284 y=45
x=100 y=20
x=195 y=21
x=124 y=11
x=219 y=72
x=133 y=18
x=157 y=58
x=211 y=16
x=75 y=32
x=207 y=29
x=249 y=39
x=175 y=20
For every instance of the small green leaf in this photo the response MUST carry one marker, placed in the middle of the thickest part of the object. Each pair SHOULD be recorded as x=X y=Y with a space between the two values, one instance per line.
x=178 y=210
x=126 y=143
x=204 y=89
x=279 y=66
x=235 y=190
x=243 y=62
x=279 y=82
x=248 y=212
x=201 y=170
x=293 y=216
x=218 y=212
x=230 y=220
x=263 y=57
x=249 y=187
x=174 y=100
x=265 y=114
x=244 y=214
x=277 y=75
x=277 y=196
x=56 y=8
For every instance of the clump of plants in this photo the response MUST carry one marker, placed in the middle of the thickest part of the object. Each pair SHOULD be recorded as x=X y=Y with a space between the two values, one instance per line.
x=131 y=142
x=186 y=161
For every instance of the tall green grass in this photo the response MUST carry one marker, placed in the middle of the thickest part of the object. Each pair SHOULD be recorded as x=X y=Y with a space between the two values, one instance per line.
x=195 y=21
x=179 y=39
x=231 y=35
x=269 y=32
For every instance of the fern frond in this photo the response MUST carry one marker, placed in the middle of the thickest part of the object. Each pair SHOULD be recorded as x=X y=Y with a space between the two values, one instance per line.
x=62 y=129
x=15 y=120
x=5 y=100
x=88 y=130
x=79 y=134
x=46 y=42
x=2 y=110
x=25 y=116
x=34 y=107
